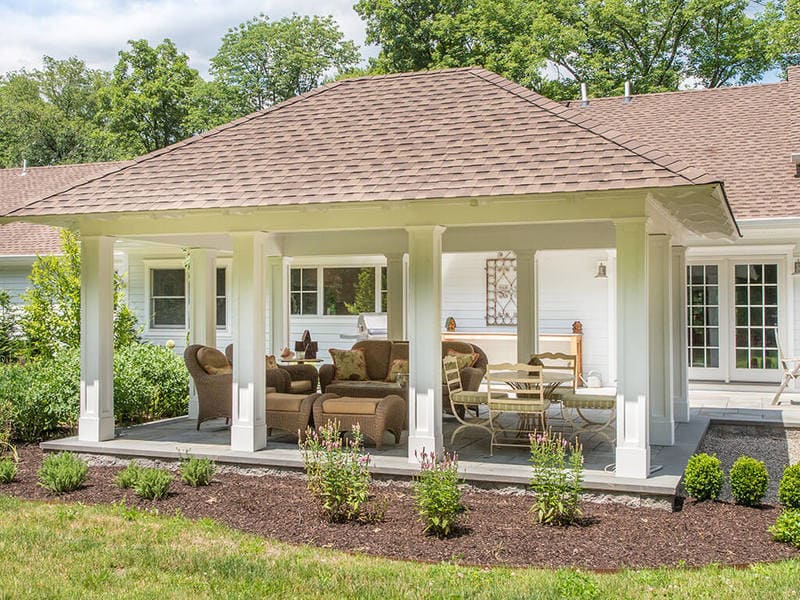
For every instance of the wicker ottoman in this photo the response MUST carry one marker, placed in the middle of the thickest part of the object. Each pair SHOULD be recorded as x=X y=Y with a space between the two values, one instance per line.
x=289 y=412
x=375 y=415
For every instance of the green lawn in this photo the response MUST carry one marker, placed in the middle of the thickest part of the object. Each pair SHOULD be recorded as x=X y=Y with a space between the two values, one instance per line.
x=72 y=551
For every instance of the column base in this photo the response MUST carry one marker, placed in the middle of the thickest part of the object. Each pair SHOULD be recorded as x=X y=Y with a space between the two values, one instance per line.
x=633 y=462
x=95 y=429
x=194 y=403
x=419 y=443
x=662 y=432
x=245 y=438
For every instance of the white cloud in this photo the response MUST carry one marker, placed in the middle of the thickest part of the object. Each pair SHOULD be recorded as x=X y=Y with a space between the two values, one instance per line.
x=96 y=30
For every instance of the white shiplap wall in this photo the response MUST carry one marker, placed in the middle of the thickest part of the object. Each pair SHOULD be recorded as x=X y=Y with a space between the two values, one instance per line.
x=14 y=279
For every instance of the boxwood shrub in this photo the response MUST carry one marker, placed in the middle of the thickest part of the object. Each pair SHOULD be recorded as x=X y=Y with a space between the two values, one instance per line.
x=703 y=477
x=749 y=481
x=787 y=527
x=789 y=489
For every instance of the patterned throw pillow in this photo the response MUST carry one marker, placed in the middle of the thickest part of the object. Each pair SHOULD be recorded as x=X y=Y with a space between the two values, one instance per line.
x=464 y=359
x=349 y=365
x=399 y=365
x=272 y=363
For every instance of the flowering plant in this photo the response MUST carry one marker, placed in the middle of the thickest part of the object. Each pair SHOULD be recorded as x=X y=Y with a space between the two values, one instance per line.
x=337 y=471
x=557 y=478
x=436 y=492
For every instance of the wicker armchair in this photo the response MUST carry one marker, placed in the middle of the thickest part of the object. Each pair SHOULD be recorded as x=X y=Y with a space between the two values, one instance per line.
x=288 y=379
x=214 y=392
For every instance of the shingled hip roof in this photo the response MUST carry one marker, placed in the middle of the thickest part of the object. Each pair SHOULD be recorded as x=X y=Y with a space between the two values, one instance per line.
x=428 y=135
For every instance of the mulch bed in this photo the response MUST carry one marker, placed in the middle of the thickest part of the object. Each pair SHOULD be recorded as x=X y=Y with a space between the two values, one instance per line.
x=496 y=530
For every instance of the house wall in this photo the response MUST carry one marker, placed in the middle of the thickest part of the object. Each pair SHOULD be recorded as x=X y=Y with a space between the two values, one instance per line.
x=14 y=275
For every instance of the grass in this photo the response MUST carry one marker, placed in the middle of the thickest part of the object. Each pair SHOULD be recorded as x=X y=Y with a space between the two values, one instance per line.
x=70 y=550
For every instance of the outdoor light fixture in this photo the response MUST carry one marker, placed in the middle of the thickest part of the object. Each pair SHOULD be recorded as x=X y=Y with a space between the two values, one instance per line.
x=796 y=267
x=602 y=274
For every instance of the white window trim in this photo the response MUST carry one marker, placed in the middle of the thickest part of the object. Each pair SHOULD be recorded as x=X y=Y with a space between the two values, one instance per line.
x=151 y=264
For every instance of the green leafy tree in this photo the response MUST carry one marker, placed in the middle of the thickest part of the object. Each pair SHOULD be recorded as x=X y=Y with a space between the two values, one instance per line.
x=787 y=37
x=9 y=342
x=264 y=62
x=51 y=314
x=364 y=300
x=150 y=95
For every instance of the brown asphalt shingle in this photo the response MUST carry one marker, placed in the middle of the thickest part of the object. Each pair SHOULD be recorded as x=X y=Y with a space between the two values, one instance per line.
x=742 y=135
x=437 y=134
x=16 y=189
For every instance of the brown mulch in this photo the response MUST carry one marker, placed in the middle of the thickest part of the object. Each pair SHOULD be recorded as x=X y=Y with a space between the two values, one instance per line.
x=496 y=529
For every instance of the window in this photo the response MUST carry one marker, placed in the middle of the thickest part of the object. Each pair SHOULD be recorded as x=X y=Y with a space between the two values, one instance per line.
x=167 y=298
x=703 y=315
x=303 y=292
x=756 y=298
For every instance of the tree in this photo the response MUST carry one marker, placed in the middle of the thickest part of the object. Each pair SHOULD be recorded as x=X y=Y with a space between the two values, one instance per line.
x=264 y=62
x=51 y=315
x=150 y=96
x=364 y=300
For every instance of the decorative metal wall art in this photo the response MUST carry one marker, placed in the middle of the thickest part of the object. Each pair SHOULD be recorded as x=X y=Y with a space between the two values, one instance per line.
x=501 y=289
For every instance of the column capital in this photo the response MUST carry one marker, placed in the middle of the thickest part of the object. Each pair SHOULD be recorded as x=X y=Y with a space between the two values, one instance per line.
x=629 y=223
x=524 y=252
x=426 y=228
x=398 y=256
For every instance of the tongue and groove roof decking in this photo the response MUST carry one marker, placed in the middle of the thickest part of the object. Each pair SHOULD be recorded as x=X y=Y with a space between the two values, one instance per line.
x=428 y=135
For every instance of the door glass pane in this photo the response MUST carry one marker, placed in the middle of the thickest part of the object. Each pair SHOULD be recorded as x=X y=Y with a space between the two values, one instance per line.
x=756 y=316
x=703 y=315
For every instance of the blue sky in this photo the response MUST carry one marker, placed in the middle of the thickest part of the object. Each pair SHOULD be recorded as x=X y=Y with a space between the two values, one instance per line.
x=96 y=30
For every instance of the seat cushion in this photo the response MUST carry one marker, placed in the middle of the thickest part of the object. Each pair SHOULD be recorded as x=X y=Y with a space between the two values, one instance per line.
x=364 y=389
x=303 y=385
x=349 y=365
x=211 y=359
x=281 y=402
x=271 y=390
x=350 y=406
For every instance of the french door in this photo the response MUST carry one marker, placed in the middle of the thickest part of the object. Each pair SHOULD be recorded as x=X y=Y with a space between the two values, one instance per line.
x=735 y=315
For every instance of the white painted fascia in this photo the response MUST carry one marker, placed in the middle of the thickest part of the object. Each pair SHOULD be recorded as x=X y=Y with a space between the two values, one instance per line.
x=752 y=250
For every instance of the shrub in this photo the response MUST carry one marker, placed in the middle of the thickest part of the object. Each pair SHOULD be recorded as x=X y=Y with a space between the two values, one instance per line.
x=8 y=470
x=703 y=477
x=152 y=484
x=337 y=471
x=557 y=478
x=436 y=492
x=9 y=340
x=787 y=527
x=789 y=489
x=62 y=472
x=128 y=476
x=197 y=471
x=749 y=481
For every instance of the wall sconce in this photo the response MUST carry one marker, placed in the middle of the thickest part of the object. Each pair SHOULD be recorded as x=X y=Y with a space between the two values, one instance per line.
x=796 y=267
x=602 y=274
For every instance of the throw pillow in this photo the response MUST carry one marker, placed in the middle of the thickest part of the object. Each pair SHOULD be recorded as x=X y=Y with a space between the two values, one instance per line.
x=398 y=366
x=349 y=365
x=464 y=359
x=272 y=362
x=219 y=370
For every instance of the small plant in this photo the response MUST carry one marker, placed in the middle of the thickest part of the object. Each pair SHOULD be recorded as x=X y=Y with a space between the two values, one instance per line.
x=62 y=472
x=152 y=484
x=703 y=477
x=128 y=476
x=8 y=470
x=197 y=471
x=749 y=481
x=789 y=489
x=337 y=471
x=787 y=527
x=436 y=492
x=557 y=479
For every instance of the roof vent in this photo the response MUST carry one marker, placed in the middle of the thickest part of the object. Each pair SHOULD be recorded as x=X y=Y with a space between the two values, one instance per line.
x=584 y=95
x=796 y=161
x=627 y=99
x=24 y=168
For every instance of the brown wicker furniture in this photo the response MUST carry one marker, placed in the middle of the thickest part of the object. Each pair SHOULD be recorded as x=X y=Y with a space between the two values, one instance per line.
x=288 y=379
x=289 y=412
x=375 y=416
x=214 y=391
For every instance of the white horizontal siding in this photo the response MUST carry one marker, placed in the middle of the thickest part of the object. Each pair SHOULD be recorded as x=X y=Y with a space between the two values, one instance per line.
x=14 y=280
x=326 y=330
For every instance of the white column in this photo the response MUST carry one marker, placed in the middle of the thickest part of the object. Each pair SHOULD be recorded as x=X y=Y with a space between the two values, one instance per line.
x=395 y=295
x=202 y=307
x=662 y=423
x=680 y=374
x=248 y=428
x=96 y=422
x=425 y=340
x=278 y=304
x=633 y=445
x=527 y=305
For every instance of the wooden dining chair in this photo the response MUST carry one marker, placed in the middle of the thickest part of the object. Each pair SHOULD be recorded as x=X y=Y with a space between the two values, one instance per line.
x=516 y=388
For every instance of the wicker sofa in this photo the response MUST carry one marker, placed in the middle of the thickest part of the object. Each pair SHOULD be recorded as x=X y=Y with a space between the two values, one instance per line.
x=379 y=355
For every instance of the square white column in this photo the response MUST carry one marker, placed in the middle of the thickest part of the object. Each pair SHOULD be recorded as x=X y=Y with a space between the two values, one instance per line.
x=662 y=423
x=425 y=340
x=633 y=444
x=680 y=373
x=527 y=305
x=278 y=274
x=96 y=422
x=394 y=297
x=249 y=427
x=202 y=307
